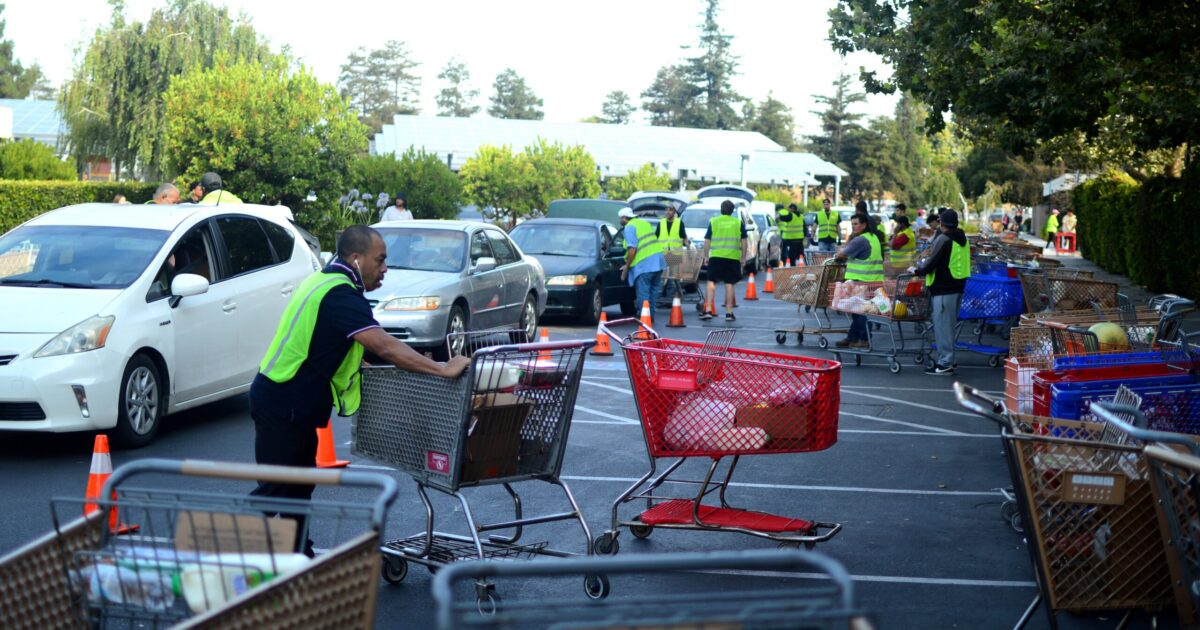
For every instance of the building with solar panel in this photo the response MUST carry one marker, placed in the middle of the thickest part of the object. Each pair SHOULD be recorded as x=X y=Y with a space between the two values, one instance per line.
x=702 y=155
x=23 y=119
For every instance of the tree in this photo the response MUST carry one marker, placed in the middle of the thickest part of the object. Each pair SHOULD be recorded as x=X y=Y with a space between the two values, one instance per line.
x=617 y=109
x=456 y=99
x=514 y=99
x=381 y=83
x=113 y=105
x=16 y=81
x=645 y=177
x=773 y=119
x=497 y=179
x=837 y=121
x=273 y=132
x=29 y=159
x=712 y=72
x=668 y=100
x=560 y=172
x=431 y=189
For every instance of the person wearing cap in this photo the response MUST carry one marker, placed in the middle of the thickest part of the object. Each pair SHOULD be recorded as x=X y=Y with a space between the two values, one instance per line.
x=946 y=267
x=1051 y=228
x=672 y=234
x=644 y=261
x=791 y=232
x=399 y=211
x=828 y=231
x=215 y=193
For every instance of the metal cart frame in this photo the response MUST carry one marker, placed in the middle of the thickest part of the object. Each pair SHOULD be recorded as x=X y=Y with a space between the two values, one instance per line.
x=917 y=310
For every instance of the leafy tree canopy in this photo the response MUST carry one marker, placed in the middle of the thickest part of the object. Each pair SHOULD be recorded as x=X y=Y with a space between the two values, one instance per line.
x=617 y=109
x=457 y=99
x=645 y=177
x=381 y=83
x=514 y=99
x=499 y=179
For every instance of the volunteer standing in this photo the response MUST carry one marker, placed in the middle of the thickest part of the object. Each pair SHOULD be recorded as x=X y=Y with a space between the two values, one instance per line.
x=827 y=227
x=863 y=254
x=791 y=230
x=725 y=246
x=946 y=268
x=312 y=364
x=672 y=234
x=904 y=244
x=643 y=258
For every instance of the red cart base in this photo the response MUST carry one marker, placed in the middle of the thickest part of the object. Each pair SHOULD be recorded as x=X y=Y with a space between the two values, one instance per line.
x=679 y=512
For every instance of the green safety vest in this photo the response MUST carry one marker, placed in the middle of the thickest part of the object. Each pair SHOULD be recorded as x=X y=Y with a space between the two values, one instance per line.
x=648 y=244
x=791 y=230
x=726 y=237
x=827 y=225
x=1052 y=224
x=289 y=348
x=903 y=257
x=960 y=264
x=671 y=239
x=220 y=198
x=871 y=269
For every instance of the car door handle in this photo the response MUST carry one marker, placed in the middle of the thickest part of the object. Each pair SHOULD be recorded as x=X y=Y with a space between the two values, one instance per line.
x=229 y=307
x=286 y=291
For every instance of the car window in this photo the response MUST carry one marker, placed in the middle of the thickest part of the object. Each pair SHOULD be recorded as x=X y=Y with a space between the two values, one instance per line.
x=246 y=245
x=423 y=249
x=77 y=256
x=282 y=241
x=505 y=253
x=606 y=239
x=698 y=219
x=480 y=247
x=192 y=254
x=761 y=222
x=556 y=240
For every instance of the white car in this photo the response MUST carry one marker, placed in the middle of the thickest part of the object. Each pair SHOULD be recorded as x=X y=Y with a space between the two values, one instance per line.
x=117 y=315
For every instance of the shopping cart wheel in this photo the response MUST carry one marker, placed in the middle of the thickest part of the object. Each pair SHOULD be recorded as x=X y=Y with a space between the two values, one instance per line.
x=822 y=342
x=1010 y=513
x=800 y=339
x=995 y=360
x=894 y=367
x=919 y=358
x=606 y=545
x=487 y=600
x=929 y=362
x=780 y=338
x=596 y=586
x=394 y=569
x=641 y=532
x=978 y=331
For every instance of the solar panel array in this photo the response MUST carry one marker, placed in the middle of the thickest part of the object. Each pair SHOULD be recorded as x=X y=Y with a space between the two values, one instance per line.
x=709 y=154
x=37 y=120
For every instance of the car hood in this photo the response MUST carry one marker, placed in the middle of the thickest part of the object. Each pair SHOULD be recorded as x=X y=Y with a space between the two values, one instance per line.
x=47 y=310
x=565 y=265
x=408 y=283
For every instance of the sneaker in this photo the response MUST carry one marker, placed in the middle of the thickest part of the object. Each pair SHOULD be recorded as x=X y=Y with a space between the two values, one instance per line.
x=845 y=343
x=938 y=370
x=706 y=316
x=860 y=344
x=729 y=317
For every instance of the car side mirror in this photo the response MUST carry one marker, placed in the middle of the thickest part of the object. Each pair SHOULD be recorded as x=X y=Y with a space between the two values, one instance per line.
x=326 y=257
x=483 y=264
x=187 y=284
x=616 y=251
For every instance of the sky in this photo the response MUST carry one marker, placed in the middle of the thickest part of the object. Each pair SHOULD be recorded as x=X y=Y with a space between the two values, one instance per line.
x=571 y=53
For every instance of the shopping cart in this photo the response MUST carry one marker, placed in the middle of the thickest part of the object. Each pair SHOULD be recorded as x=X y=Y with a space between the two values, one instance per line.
x=991 y=302
x=712 y=401
x=815 y=258
x=203 y=558
x=810 y=288
x=1049 y=290
x=1087 y=508
x=806 y=590
x=1174 y=462
x=906 y=301
x=504 y=421
x=683 y=267
x=466 y=343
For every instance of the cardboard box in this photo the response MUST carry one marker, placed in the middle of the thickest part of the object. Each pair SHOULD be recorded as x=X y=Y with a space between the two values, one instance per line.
x=493 y=444
x=789 y=422
x=214 y=532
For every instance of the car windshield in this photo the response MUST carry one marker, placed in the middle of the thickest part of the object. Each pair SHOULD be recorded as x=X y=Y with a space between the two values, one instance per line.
x=696 y=218
x=760 y=221
x=555 y=240
x=425 y=249
x=77 y=256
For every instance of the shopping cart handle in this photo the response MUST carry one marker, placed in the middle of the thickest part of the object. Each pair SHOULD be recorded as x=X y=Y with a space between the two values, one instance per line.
x=604 y=327
x=974 y=400
x=1108 y=413
x=568 y=344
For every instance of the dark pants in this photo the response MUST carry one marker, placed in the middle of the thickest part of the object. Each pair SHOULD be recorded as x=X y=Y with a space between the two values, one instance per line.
x=1051 y=237
x=793 y=251
x=858 y=328
x=281 y=440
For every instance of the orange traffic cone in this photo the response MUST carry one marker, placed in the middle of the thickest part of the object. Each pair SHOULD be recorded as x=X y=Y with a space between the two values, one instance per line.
x=788 y=263
x=544 y=337
x=100 y=472
x=326 y=455
x=676 y=320
x=799 y=262
x=646 y=320
x=769 y=285
x=710 y=308
x=751 y=290
x=602 y=349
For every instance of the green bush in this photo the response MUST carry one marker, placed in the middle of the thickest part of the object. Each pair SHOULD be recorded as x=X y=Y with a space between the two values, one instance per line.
x=1104 y=207
x=776 y=196
x=21 y=200
x=30 y=159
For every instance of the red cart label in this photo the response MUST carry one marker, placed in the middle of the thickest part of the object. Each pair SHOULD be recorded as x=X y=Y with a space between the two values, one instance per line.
x=437 y=462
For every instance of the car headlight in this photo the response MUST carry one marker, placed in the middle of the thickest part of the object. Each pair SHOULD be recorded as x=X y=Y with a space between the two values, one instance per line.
x=569 y=281
x=412 y=304
x=89 y=334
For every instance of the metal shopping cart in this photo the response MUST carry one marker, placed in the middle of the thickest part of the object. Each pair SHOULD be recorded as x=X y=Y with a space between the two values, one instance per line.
x=683 y=268
x=806 y=590
x=1087 y=507
x=1051 y=290
x=810 y=288
x=715 y=402
x=505 y=421
x=906 y=300
x=203 y=558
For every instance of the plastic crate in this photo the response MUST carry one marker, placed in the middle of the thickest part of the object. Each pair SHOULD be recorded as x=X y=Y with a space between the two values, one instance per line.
x=1071 y=400
x=989 y=296
x=1043 y=380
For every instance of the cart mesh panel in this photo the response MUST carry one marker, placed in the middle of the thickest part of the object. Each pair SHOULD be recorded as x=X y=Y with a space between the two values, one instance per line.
x=808 y=286
x=33 y=583
x=1094 y=522
x=987 y=296
x=742 y=402
x=411 y=421
x=1050 y=291
x=1178 y=487
x=683 y=265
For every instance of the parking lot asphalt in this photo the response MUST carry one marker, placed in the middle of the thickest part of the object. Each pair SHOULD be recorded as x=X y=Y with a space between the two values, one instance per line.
x=913 y=478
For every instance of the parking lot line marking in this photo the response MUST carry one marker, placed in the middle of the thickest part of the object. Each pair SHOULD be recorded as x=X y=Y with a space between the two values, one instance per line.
x=370 y=466
x=910 y=403
x=914 y=425
x=594 y=412
x=775 y=486
x=921 y=433
x=907 y=389
x=891 y=579
x=603 y=386
x=614 y=378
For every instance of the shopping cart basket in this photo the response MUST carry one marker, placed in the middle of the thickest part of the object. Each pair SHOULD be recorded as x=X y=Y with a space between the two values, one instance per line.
x=504 y=421
x=683 y=267
x=696 y=400
x=1088 y=512
x=806 y=590
x=906 y=301
x=202 y=559
x=1174 y=462
x=810 y=288
x=1048 y=290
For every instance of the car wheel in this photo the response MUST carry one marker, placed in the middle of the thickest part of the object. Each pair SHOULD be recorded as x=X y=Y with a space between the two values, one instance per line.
x=529 y=318
x=455 y=323
x=139 y=404
x=595 y=308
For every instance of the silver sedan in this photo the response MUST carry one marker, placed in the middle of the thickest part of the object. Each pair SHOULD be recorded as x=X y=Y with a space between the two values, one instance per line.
x=453 y=276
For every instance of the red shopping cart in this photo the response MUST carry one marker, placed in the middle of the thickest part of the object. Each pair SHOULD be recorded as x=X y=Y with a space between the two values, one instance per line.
x=709 y=400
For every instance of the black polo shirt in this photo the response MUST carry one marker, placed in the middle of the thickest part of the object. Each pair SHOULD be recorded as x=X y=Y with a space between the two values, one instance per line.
x=307 y=398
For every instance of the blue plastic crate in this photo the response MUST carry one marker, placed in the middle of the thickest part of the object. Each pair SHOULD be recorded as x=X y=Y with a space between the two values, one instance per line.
x=992 y=268
x=991 y=297
x=1122 y=358
x=1070 y=400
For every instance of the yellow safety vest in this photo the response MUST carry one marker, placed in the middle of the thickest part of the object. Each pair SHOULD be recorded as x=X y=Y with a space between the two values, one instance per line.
x=670 y=240
x=792 y=230
x=648 y=244
x=871 y=269
x=903 y=257
x=827 y=225
x=726 y=237
x=960 y=264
